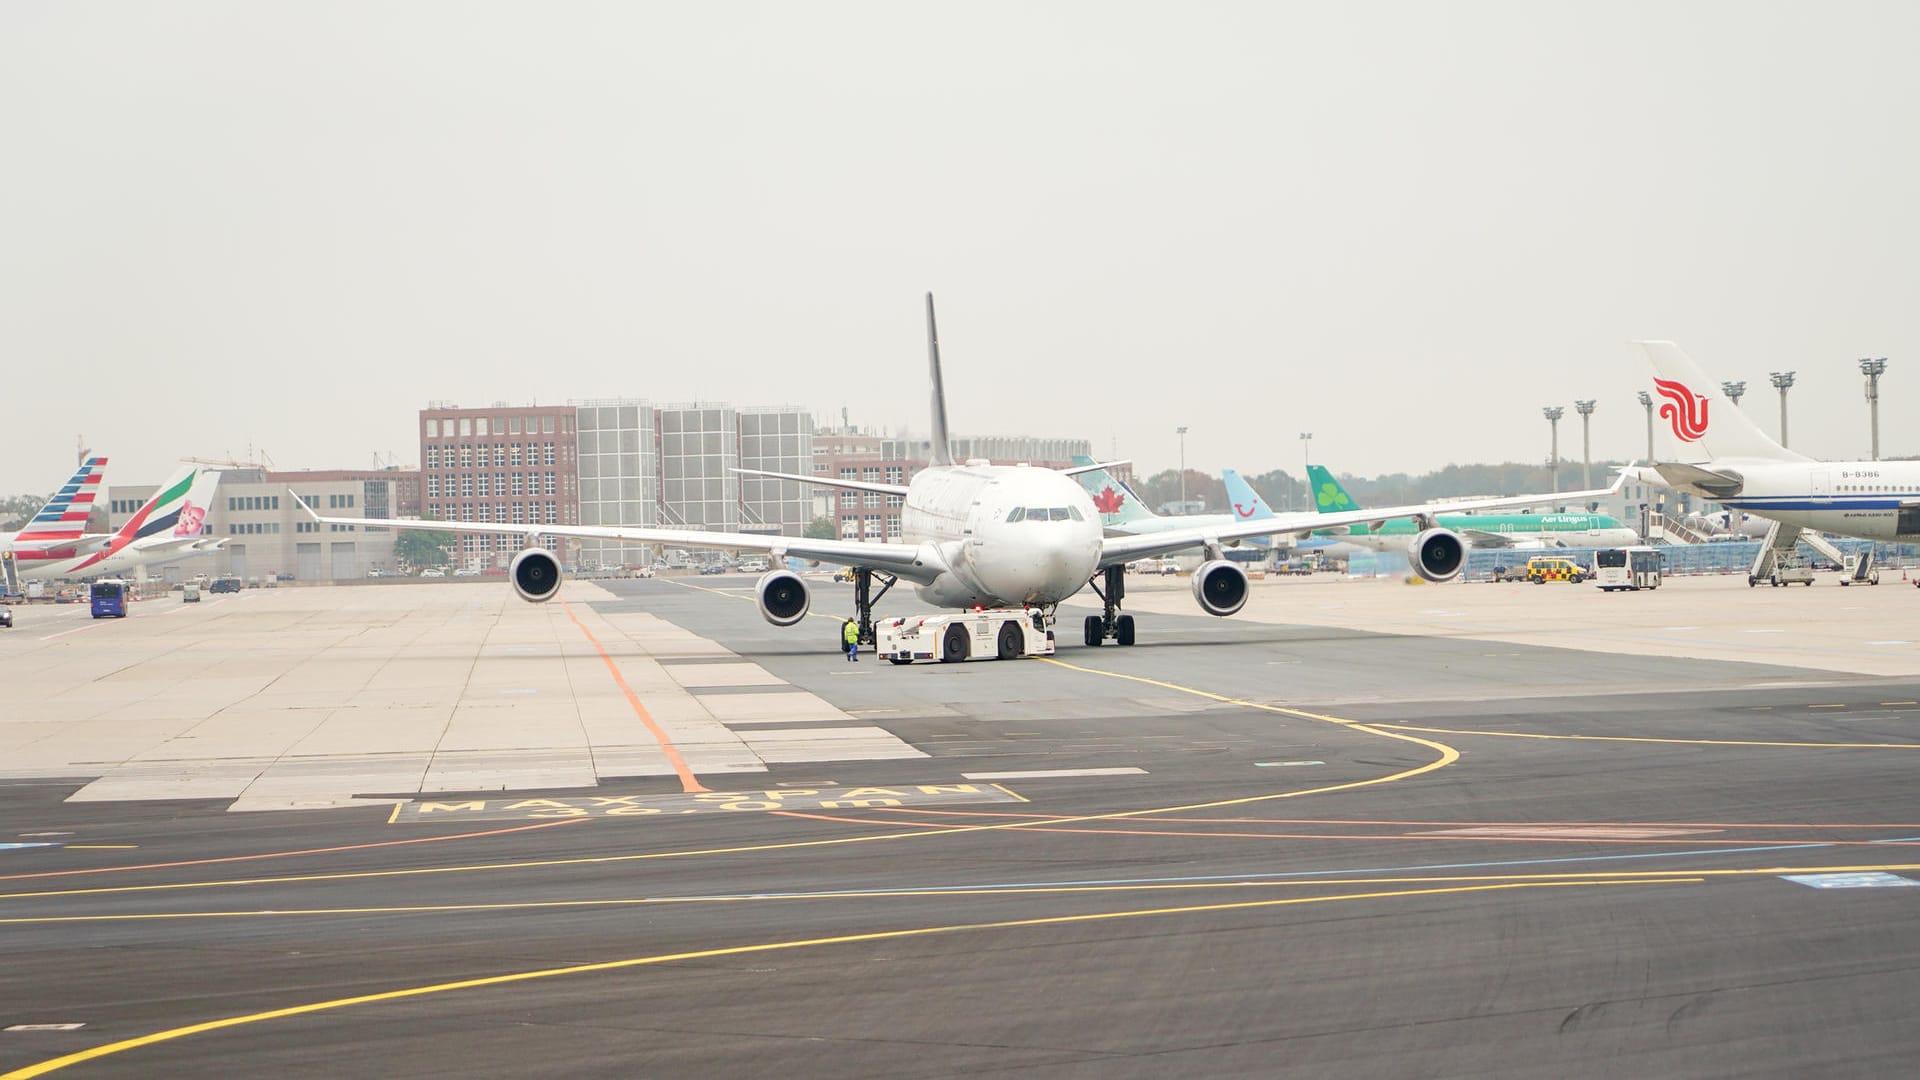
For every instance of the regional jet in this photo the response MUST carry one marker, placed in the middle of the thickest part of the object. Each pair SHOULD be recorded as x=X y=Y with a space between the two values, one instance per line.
x=978 y=534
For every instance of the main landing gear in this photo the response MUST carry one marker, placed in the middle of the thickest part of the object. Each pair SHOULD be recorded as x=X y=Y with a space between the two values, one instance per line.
x=864 y=598
x=1110 y=623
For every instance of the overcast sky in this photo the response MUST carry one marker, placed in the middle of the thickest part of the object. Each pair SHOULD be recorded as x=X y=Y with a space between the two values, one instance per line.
x=1402 y=227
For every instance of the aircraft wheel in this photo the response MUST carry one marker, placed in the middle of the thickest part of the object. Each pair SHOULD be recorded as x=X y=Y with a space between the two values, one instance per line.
x=1012 y=641
x=1123 y=630
x=955 y=649
x=1093 y=631
x=1752 y=581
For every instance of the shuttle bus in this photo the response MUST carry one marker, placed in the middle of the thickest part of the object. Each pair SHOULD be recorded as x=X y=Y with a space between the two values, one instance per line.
x=1628 y=569
x=109 y=598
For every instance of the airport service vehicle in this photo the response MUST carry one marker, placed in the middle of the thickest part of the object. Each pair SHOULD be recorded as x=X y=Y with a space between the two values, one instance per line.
x=1542 y=569
x=1788 y=569
x=109 y=598
x=190 y=593
x=6 y=616
x=224 y=585
x=1852 y=571
x=951 y=637
x=1628 y=569
x=979 y=535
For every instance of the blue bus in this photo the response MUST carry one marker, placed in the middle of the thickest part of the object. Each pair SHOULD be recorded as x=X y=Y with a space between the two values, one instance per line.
x=109 y=596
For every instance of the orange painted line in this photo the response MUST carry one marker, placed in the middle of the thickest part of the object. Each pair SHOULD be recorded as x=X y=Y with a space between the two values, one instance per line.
x=688 y=781
x=290 y=854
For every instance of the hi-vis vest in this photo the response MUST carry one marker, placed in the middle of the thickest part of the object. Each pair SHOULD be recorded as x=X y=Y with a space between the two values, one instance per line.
x=849 y=633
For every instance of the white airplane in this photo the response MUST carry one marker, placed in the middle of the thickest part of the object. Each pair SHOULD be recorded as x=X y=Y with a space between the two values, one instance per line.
x=1719 y=453
x=169 y=525
x=983 y=535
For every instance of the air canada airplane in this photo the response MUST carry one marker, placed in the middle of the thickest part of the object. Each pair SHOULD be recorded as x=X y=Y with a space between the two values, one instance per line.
x=1716 y=451
x=979 y=534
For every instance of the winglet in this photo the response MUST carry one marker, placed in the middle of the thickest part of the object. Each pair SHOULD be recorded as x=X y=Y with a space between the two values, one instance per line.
x=942 y=447
x=302 y=504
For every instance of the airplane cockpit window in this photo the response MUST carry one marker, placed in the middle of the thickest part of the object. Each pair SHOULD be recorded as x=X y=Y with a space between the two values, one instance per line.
x=1016 y=514
x=1036 y=513
x=1057 y=513
x=1074 y=512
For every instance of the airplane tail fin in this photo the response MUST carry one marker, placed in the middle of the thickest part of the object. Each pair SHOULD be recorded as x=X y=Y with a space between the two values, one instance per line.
x=1328 y=496
x=1117 y=503
x=1247 y=503
x=65 y=515
x=1701 y=425
x=942 y=446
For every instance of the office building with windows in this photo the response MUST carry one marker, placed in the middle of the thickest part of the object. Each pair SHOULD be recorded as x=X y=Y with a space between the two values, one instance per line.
x=516 y=465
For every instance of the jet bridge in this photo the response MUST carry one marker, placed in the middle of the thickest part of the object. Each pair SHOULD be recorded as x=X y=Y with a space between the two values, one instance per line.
x=1782 y=537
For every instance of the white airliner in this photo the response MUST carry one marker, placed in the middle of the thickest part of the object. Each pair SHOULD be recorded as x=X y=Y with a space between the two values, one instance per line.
x=979 y=534
x=169 y=525
x=1716 y=451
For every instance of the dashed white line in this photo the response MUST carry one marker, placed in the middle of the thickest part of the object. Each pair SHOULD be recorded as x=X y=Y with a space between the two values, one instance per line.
x=1044 y=774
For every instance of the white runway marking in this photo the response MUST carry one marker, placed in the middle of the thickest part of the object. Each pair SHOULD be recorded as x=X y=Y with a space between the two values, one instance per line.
x=1044 y=774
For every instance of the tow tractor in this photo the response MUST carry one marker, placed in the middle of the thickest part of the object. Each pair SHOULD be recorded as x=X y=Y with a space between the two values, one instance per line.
x=980 y=634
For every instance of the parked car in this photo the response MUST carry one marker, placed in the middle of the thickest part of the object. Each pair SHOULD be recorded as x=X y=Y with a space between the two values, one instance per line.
x=466 y=571
x=224 y=585
x=433 y=571
x=645 y=571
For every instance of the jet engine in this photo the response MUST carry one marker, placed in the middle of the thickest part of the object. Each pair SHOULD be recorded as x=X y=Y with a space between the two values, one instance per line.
x=1438 y=555
x=783 y=597
x=1220 y=587
x=535 y=574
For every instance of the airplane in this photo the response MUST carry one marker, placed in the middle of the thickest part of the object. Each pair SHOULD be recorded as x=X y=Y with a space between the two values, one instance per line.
x=1516 y=531
x=981 y=535
x=1124 y=513
x=57 y=533
x=169 y=525
x=1721 y=454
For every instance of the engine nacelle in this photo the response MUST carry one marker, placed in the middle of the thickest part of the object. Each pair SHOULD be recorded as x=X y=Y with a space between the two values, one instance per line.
x=1438 y=554
x=1220 y=587
x=534 y=574
x=783 y=597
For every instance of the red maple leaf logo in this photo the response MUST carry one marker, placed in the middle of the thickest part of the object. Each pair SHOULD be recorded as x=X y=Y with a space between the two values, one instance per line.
x=1109 y=501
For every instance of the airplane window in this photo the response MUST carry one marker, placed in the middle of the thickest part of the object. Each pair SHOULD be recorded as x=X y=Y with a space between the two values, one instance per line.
x=1016 y=514
x=1074 y=512
x=1058 y=513
x=1036 y=513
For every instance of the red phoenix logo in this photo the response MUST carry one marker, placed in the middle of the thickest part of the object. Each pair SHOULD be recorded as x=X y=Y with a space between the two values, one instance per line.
x=1684 y=409
x=1109 y=501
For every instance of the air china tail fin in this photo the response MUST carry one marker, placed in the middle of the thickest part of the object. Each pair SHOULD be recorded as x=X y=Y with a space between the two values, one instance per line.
x=1699 y=424
x=1117 y=503
x=942 y=447
x=64 y=517
x=1246 y=502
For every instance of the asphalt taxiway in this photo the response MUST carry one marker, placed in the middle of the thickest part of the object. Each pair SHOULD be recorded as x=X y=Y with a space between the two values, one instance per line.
x=1347 y=843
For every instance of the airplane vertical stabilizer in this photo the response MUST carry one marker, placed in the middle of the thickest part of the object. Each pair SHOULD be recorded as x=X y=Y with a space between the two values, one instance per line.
x=1247 y=503
x=64 y=518
x=1117 y=503
x=1700 y=425
x=942 y=446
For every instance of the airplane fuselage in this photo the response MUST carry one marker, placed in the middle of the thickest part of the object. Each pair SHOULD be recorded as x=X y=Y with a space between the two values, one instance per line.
x=1852 y=498
x=993 y=557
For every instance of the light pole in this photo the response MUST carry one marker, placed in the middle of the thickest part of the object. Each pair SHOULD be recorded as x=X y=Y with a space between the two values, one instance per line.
x=1782 y=381
x=1873 y=369
x=1553 y=414
x=1734 y=390
x=1585 y=409
x=1646 y=402
x=1306 y=460
x=1183 y=468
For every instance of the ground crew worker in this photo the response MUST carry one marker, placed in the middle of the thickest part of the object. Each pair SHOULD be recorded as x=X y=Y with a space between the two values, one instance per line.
x=850 y=633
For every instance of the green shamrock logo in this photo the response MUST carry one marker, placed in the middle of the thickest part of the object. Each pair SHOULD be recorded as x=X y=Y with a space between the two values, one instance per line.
x=1330 y=497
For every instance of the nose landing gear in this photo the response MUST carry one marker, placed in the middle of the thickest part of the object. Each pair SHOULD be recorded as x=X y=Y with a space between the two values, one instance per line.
x=1110 y=623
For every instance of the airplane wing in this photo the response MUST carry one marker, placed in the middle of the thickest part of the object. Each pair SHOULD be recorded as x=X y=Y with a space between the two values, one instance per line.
x=918 y=563
x=1481 y=538
x=830 y=481
x=1119 y=549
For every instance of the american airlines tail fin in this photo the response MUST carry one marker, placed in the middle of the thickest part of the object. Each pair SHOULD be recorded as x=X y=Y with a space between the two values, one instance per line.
x=64 y=517
x=1117 y=503
x=942 y=446
x=1246 y=502
x=1701 y=426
